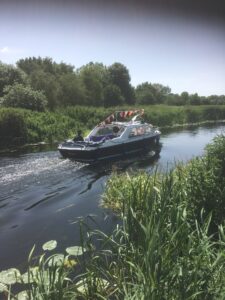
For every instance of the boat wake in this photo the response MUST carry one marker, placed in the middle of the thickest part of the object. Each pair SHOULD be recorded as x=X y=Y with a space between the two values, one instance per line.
x=34 y=167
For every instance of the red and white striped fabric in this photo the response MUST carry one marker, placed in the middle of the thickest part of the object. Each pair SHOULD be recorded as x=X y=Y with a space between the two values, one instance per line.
x=122 y=114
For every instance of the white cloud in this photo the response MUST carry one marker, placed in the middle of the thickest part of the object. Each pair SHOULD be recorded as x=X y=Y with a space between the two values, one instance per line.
x=5 y=50
x=9 y=50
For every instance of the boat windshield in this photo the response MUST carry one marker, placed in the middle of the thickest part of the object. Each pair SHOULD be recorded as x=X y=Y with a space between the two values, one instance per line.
x=106 y=132
x=103 y=131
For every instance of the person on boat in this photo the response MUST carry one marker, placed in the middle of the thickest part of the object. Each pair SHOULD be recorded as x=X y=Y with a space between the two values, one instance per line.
x=116 y=130
x=78 y=137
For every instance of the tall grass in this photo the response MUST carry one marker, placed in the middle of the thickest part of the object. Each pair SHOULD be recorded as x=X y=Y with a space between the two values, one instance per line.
x=170 y=242
x=164 y=250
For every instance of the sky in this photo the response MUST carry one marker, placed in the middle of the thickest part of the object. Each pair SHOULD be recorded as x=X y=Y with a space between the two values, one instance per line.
x=180 y=44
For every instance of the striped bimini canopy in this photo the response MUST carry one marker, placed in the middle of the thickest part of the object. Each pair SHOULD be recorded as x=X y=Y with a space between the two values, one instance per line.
x=122 y=115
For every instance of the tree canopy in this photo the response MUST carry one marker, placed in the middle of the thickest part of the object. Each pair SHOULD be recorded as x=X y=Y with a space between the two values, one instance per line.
x=119 y=76
x=18 y=95
x=10 y=75
x=38 y=83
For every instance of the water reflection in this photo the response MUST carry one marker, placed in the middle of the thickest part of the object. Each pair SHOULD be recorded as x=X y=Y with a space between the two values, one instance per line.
x=130 y=161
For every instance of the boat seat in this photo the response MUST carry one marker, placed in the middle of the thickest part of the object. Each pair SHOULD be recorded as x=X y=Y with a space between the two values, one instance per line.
x=101 y=137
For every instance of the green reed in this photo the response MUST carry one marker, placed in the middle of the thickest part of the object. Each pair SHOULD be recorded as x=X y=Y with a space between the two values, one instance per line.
x=169 y=243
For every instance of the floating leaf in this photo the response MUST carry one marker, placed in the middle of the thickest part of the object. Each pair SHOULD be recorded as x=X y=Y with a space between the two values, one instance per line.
x=3 y=287
x=9 y=276
x=56 y=260
x=81 y=286
x=23 y=296
x=29 y=278
x=50 y=245
x=100 y=283
x=45 y=276
x=75 y=250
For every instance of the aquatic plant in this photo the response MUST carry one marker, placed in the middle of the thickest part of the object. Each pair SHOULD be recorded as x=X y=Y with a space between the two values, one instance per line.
x=46 y=276
x=169 y=243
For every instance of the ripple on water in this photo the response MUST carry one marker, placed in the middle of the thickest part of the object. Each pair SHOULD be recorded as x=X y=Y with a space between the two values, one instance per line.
x=34 y=166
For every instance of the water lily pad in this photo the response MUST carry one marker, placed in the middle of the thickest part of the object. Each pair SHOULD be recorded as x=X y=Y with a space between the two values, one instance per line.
x=56 y=260
x=36 y=274
x=9 y=276
x=75 y=250
x=3 y=287
x=50 y=245
x=82 y=285
x=25 y=278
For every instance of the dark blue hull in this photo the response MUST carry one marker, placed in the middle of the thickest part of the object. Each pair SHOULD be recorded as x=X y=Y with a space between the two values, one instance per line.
x=96 y=153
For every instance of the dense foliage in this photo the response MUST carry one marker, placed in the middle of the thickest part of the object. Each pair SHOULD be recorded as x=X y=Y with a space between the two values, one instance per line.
x=91 y=85
x=18 y=95
x=63 y=123
x=13 y=128
x=169 y=244
x=10 y=75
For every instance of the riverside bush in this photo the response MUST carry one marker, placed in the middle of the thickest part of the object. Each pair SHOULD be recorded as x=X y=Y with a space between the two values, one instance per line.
x=13 y=128
x=64 y=123
x=164 y=246
x=171 y=243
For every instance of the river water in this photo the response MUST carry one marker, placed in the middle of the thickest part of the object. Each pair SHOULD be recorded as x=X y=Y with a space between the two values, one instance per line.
x=42 y=195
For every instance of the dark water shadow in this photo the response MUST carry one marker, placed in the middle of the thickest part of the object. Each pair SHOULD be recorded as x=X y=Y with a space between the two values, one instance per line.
x=105 y=168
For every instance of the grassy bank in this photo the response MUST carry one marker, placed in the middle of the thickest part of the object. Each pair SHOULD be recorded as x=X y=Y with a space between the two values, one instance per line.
x=169 y=245
x=18 y=127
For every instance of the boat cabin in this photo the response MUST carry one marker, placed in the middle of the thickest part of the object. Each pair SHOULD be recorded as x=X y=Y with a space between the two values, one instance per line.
x=119 y=130
x=112 y=138
x=105 y=132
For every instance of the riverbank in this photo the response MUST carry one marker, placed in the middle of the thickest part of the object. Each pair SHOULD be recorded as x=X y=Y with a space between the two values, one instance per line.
x=169 y=244
x=19 y=127
x=37 y=147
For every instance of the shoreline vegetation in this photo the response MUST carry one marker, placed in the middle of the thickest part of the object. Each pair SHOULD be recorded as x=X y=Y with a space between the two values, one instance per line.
x=21 y=126
x=170 y=239
x=45 y=101
x=169 y=243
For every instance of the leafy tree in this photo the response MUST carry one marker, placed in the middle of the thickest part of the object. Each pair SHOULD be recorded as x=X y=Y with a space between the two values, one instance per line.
x=47 y=76
x=214 y=99
x=148 y=93
x=10 y=75
x=174 y=99
x=160 y=92
x=63 y=68
x=47 y=65
x=94 y=77
x=48 y=84
x=119 y=76
x=13 y=129
x=18 y=95
x=185 y=97
x=145 y=93
x=30 y=64
x=113 y=96
x=194 y=99
x=72 y=91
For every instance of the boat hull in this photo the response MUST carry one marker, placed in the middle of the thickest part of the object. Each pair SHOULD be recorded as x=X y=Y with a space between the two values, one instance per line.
x=90 y=154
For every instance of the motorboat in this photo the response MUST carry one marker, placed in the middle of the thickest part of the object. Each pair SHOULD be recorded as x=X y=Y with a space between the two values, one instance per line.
x=121 y=134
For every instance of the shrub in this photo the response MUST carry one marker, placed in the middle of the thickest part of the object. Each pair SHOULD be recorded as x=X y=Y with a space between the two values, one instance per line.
x=22 y=96
x=13 y=130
